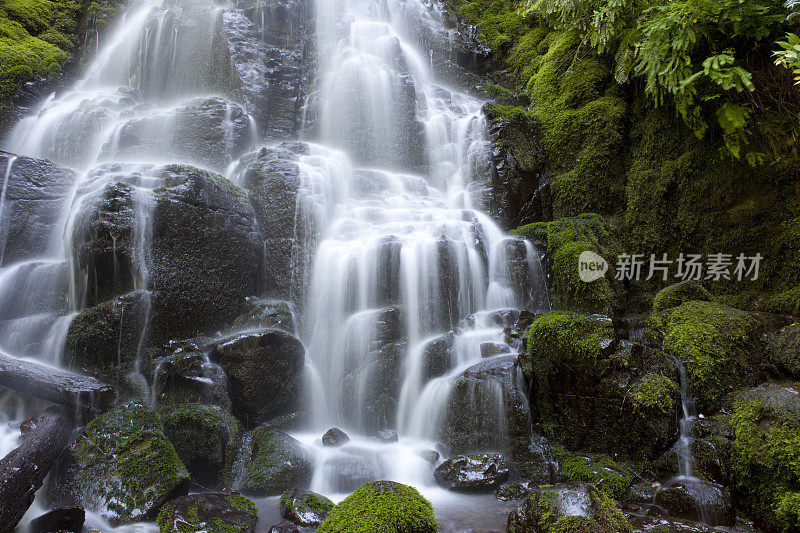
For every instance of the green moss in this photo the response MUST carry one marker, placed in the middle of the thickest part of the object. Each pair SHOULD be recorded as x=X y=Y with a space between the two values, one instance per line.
x=279 y=463
x=567 y=336
x=676 y=294
x=212 y=513
x=565 y=240
x=241 y=503
x=126 y=466
x=616 y=483
x=382 y=507
x=767 y=459
x=36 y=38
x=654 y=393
x=717 y=344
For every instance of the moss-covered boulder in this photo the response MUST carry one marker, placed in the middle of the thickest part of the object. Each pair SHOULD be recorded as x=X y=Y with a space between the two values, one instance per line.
x=258 y=396
x=676 y=294
x=206 y=253
x=783 y=350
x=488 y=409
x=122 y=466
x=698 y=501
x=304 y=508
x=596 y=392
x=766 y=455
x=212 y=512
x=614 y=479
x=572 y=507
x=265 y=313
x=106 y=340
x=382 y=507
x=719 y=346
x=563 y=241
x=278 y=463
x=477 y=472
x=206 y=439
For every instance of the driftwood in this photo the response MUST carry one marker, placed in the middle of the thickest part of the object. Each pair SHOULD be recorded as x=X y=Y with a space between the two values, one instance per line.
x=80 y=393
x=23 y=470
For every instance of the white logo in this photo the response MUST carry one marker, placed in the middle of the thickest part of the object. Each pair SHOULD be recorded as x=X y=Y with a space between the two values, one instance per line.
x=591 y=266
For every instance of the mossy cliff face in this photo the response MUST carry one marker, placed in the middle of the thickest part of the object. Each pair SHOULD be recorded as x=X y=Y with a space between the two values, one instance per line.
x=594 y=391
x=382 y=507
x=123 y=467
x=718 y=345
x=564 y=241
x=611 y=151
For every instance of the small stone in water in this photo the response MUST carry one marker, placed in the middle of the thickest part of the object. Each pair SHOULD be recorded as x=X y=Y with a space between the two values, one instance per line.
x=27 y=425
x=335 y=437
x=432 y=456
x=388 y=435
x=284 y=527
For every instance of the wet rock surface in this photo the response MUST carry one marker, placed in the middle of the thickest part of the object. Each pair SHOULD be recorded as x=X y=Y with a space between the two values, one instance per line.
x=305 y=508
x=334 y=437
x=477 y=472
x=279 y=463
x=209 y=511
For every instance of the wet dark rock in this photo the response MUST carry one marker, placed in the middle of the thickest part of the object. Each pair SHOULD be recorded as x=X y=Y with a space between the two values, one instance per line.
x=432 y=456
x=783 y=350
x=474 y=423
x=278 y=463
x=210 y=132
x=388 y=282
x=490 y=349
x=519 y=183
x=284 y=527
x=27 y=425
x=335 y=437
x=104 y=244
x=437 y=357
x=472 y=473
x=698 y=501
x=569 y=506
x=121 y=466
x=206 y=253
x=599 y=394
x=209 y=511
x=183 y=374
x=445 y=311
x=206 y=439
x=711 y=447
x=388 y=435
x=31 y=206
x=305 y=508
x=106 y=340
x=64 y=516
x=273 y=314
x=256 y=395
x=391 y=325
x=288 y=227
x=271 y=46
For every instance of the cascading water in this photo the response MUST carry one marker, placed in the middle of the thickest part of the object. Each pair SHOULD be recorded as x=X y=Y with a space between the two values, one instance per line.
x=388 y=254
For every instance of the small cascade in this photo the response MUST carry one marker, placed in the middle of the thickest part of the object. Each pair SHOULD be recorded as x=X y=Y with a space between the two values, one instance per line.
x=686 y=467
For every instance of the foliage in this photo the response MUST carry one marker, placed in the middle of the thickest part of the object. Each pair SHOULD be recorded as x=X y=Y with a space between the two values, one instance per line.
x=695 y=53
x=789 y=56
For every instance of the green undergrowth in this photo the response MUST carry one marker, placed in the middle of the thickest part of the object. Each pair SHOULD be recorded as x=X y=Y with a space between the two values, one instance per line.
x=36 y=38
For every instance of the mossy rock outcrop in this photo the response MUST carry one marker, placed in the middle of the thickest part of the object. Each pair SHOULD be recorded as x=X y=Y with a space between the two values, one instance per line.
x=305 y=508
x=675 y=295
x=572 y=507
x=206 y=439
x=596 y=392
x=382 y=507
x=609 y=476
x=212 y=512
x=122 y=466
x=279 y=463
x=258 y=395
x=563 y=241
x=719 y=346
x=766 y=455
x=206 y=253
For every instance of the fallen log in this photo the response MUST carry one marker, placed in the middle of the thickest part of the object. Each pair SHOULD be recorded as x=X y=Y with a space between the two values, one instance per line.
x=23 y=470
x=80 y=393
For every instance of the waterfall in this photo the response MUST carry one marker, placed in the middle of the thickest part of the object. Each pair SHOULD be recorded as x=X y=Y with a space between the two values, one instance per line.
x=388 y=253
